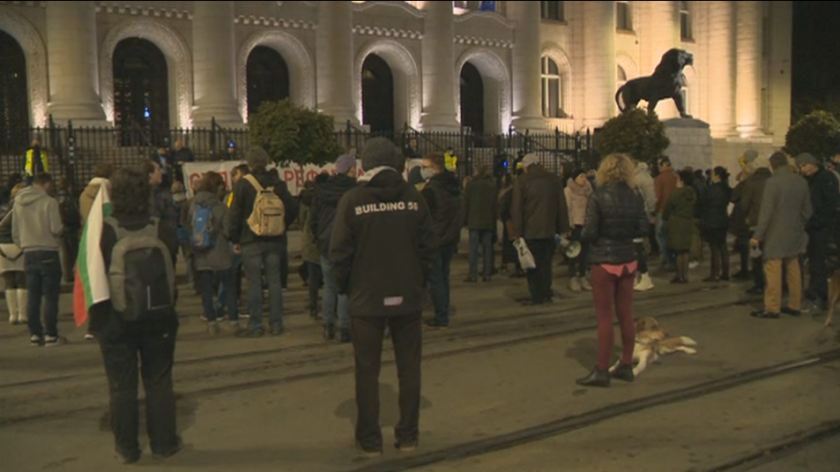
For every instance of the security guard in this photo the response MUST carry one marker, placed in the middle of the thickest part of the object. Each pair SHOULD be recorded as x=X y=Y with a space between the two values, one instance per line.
x=36 y=160
x=382 y=249
x=450 y=160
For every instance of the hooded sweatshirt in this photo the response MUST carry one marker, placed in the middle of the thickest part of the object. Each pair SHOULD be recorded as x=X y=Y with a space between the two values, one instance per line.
x=37 y=221
x=383 y=246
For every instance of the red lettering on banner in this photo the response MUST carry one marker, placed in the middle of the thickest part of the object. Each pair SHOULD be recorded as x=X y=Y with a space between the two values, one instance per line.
x=288 y=175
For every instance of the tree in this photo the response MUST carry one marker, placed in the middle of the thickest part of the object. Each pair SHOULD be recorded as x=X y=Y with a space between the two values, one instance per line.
x=290 y=133
x=817 y=133
x=635 y=132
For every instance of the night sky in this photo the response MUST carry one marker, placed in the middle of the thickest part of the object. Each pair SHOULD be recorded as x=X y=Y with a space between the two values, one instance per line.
x=816 y=57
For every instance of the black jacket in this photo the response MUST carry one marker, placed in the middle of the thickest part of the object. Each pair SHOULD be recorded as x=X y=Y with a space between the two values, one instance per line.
x=539 y=210
x=244 y=195
x=443 y=195
x=825 y=200
x=738 y=218
x=383 y=247
x=714 y=205
x=615 y=216
x=324 y=205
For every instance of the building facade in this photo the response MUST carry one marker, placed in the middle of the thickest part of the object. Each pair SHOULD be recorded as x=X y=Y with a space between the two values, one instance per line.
x=430 y=65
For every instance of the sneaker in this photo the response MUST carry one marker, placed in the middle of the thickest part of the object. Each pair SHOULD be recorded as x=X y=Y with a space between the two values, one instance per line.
x=126 y=459
x=90 y=337
x=234 y=325
x=368 y=452
x=645 y=284
x=405 y=446
x=213 y=328
x=203 y=318
x=693 y=265
x=345 y=336
x=51 y=341
x=250 y=333
x=585 y=285
x=436 y=325
x=791 y=312
x=35 y=340
x=163 y=455
x=277 y=330
x=574 y=285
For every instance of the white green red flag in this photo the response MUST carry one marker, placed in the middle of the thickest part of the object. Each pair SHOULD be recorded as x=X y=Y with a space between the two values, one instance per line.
x=91 y=277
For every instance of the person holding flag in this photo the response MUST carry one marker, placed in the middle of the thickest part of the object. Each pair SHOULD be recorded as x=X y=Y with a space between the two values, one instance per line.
x=126 y=285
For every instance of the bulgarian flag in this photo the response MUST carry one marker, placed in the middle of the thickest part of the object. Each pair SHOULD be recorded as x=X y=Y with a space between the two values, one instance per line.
x=91 y=278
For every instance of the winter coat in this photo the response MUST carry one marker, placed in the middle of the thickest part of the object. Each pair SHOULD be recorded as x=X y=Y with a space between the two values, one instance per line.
x=88 y=196
x=218 y=257
x=308 y=246
x=665 y=184
x=679 y=217
x=714 y=205
x=443 y=197
x=615 y=215
x=539 y=205
x=577 y=199
x=785 y=210
x=243 y=205
x=825 y=200
x=383 y=246
x=753 y=193
x=481 y=204
x=324 y=204
x=6 y=227
x=646 y=186
x=738 y=218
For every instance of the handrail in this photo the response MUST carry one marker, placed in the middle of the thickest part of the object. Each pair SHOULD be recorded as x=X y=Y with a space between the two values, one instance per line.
x=426 y=139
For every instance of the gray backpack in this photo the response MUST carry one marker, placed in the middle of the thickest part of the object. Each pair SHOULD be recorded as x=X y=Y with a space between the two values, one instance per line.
x=142 y=274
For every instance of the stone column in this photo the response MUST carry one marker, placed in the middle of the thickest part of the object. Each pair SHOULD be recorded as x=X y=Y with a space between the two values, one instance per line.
x=748 y=78
x=721 y=87
x=663 y=34
x=527 y=90
x=440 y=109
x=599 y=62
x=73 y=64
x=335 y=62
x=214 y=64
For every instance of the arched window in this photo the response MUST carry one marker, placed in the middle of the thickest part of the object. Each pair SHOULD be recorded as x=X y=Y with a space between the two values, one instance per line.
x=623 y=17
x=141 y=89
x=377 y=95
x=552 y=96
x=14 y=106
x=685 y=22
x=267 y=77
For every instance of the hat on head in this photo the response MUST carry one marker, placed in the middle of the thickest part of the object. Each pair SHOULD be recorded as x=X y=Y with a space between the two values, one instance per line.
x=761 y=163
x=529 y=160
x=415 y=176
x=806 y=158
x=344 y=163
x=750 y=155
x=379 y=152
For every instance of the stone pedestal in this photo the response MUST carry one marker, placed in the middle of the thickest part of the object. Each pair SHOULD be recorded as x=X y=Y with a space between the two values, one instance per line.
x=691 y=143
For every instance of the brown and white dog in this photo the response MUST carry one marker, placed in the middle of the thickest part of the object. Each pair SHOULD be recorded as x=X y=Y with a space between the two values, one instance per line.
x=652 y=342
x=833 y=296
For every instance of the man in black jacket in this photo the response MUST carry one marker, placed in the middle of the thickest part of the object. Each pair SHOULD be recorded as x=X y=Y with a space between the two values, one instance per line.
x=825 y=200
x=324 y=205
x=382 y=248
x=443 y=195
x=260 y=253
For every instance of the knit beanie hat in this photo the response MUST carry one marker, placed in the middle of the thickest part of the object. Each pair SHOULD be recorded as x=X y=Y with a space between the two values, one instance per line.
x=379 y=152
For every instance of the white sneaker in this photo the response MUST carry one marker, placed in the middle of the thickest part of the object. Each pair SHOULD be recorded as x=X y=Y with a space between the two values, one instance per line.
x=644 y=284
x=89 y=337
x=51 y=341
x=585 y=285
x=693 y=265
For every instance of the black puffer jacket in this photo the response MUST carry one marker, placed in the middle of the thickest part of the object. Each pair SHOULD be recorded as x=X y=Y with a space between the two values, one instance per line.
x=714 y=205
x=324 y=205
x=443 y=195
x=615 y=216
x=825 y=200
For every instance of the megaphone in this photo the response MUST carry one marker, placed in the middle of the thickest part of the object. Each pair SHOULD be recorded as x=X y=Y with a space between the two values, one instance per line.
x=570 y=248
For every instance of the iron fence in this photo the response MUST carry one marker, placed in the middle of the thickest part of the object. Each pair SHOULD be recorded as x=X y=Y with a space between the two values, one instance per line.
x=74 y=151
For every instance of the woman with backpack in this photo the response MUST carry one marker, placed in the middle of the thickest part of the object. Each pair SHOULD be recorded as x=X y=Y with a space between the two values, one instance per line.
x=208 y=232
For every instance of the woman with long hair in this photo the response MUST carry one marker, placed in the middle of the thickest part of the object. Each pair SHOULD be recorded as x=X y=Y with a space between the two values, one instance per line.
x=680 y=222
x=11 y=262
x=715 y=223
x=615 y=216
x=578 y=190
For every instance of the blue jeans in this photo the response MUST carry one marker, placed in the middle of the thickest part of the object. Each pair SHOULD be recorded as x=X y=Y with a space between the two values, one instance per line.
x=206 y=284
x=439 y=282
x=43 y=279
x=235 y=289
x=485 y=239
x=662 y=239
x=255 y=258
x=332 y=300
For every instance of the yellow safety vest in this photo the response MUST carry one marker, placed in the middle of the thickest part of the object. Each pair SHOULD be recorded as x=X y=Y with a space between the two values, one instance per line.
x=451 y=161
x=44 y=162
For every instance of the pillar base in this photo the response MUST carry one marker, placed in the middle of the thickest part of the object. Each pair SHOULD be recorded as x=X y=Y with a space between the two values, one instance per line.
x=62 y=112
x=225 y=116
x=530 y=123
x=439 y=122
x=746 y=132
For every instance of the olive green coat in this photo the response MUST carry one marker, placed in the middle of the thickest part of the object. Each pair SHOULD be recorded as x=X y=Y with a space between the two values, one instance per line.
x=679 y=218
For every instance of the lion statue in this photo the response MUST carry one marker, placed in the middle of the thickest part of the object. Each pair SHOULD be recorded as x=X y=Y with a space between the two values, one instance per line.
x=666 y=82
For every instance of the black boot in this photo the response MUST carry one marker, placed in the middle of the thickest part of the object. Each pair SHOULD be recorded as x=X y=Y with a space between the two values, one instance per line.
x=596 y=378
x=624 y=372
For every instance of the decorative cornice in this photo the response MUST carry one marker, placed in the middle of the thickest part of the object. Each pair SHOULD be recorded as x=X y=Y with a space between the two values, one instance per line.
x=133 y=10
x=360 y=7
x=26 y=4
x=386 y=32
x=490 y=15
x=271 y=21
x=486 y=42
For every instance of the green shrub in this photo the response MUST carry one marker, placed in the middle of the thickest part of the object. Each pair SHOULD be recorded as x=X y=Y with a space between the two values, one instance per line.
x=290 y=133
x=817 y=133
x=635 y=132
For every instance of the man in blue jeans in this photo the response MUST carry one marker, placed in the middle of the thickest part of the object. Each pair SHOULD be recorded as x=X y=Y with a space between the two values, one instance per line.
x=324 y=205
x=260 y=253
x=481 y=207
x=37 y=228
x=443 y=196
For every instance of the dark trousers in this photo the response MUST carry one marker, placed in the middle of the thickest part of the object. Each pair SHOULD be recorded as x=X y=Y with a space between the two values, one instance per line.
x=484 y=239
x=577 y=266
x=284 y=264
x=228 y=297
x=367 y=334
x=759 y=280
x=154 y=343
x=611 y=292
x=70 y=247
x=641 y=254
x=43 y=279
x=539 y=279
x=439 y=282
x=817 y=256
x=313 y=282
x=742 y=246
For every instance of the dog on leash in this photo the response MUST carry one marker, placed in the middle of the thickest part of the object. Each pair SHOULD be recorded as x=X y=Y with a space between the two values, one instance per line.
x=652 y=342
x=833 y=296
